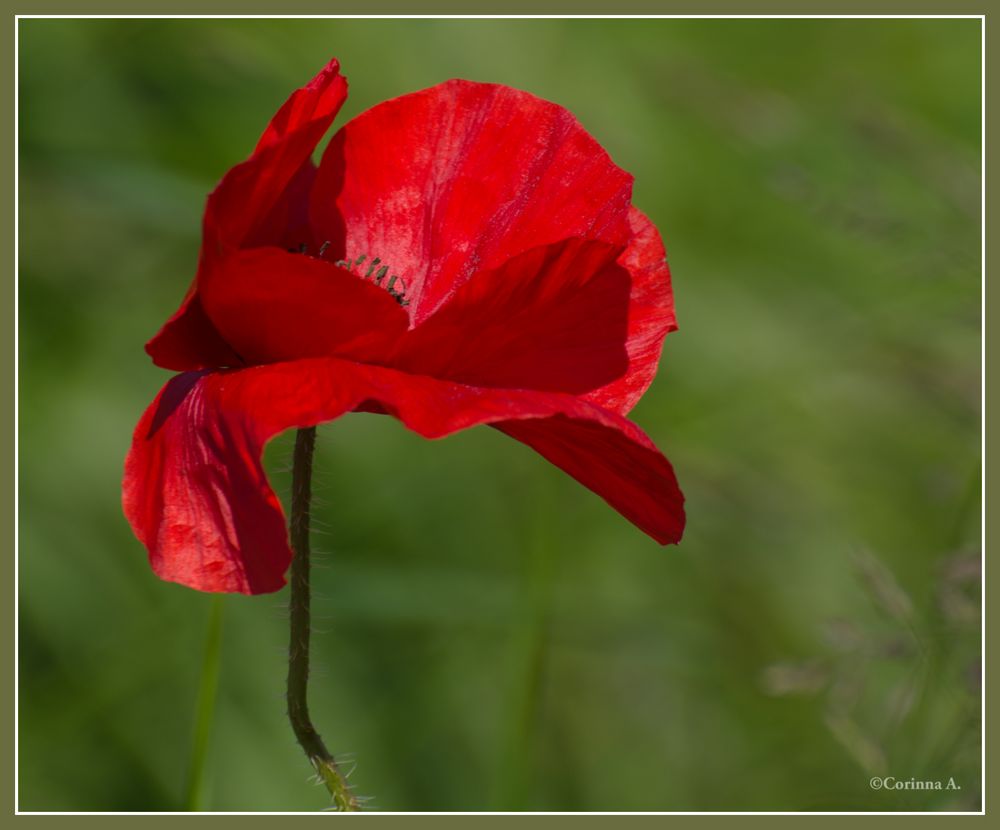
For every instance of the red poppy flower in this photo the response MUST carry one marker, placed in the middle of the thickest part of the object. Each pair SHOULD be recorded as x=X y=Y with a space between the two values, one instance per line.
x=463 y=255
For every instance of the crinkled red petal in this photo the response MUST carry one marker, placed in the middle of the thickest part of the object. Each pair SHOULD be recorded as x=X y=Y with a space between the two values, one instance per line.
x=196 y=494
x=456 y=179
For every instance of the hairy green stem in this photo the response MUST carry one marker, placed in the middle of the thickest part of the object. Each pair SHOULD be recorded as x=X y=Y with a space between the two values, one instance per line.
x=298 y=650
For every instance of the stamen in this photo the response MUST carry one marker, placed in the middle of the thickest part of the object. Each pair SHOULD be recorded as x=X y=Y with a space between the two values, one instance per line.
x=397 y=293
x=398 y=296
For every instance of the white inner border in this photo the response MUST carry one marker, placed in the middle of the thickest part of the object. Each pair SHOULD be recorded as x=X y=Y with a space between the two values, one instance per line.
x=981 y=18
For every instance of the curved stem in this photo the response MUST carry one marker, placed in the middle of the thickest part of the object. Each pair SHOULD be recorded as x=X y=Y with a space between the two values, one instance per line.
x=298 y=650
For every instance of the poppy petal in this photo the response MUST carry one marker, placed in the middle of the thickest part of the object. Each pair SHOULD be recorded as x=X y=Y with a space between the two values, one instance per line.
x=260 y=201
x=276 y=306
x=456 y=179
x=247 y=194
x=287 y=225
x=610 y=455
x=577 y=316
x=553 y=318
x=651 y=315
x=197 y=496
x=189 y=341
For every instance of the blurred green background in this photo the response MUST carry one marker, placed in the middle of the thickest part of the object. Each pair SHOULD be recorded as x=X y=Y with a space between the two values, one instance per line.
x=490 y=635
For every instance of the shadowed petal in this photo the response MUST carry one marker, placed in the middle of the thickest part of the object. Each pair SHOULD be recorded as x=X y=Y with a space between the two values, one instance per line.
x=275 y=306
x=260 y=201
x=553 y=318
x=189 y=340
x=650 y=315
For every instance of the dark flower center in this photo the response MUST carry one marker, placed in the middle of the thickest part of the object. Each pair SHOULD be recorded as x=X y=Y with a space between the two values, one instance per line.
x=376 y=271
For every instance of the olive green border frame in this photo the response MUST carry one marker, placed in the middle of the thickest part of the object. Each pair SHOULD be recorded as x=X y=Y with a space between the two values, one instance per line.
x=622 y=8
